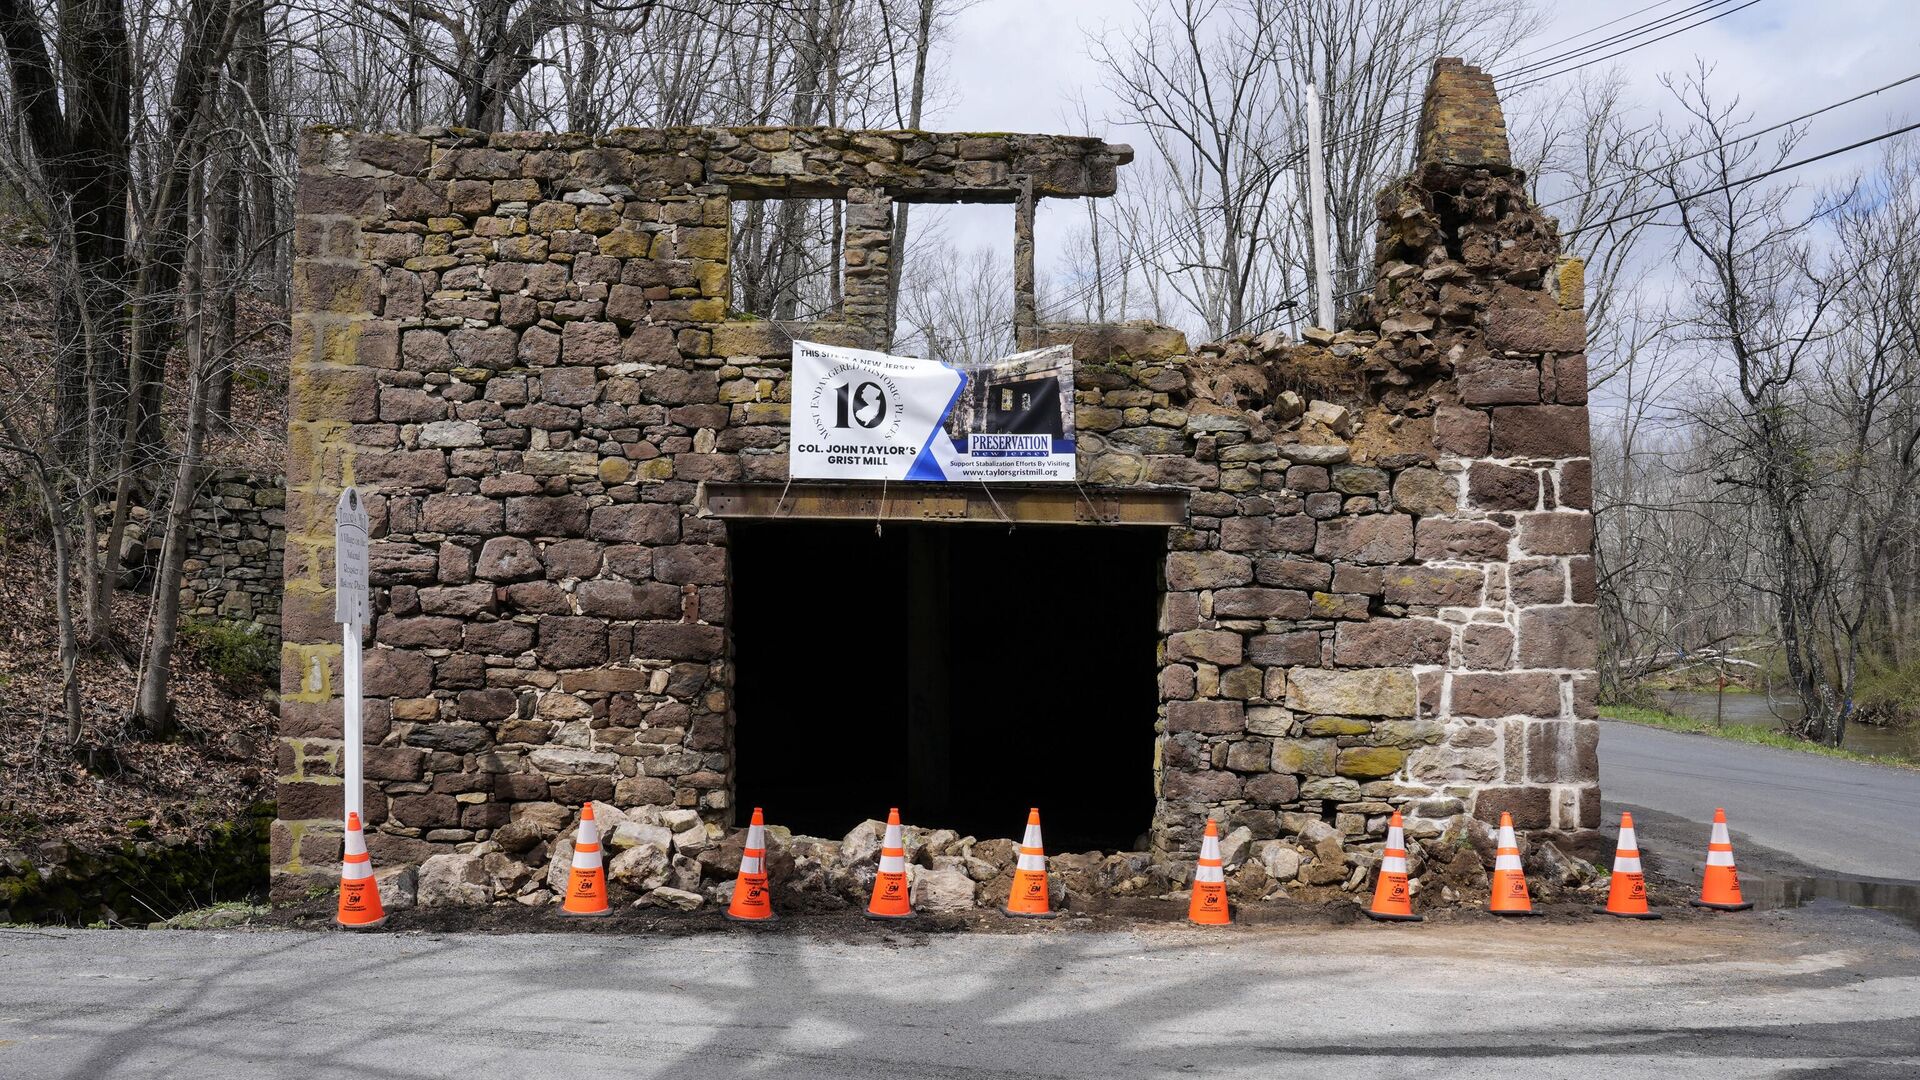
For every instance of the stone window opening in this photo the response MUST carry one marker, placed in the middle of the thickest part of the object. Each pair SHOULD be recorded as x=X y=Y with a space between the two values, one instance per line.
x=786 y=259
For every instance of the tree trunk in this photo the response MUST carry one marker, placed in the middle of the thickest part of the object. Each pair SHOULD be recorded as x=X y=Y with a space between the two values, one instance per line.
x=153 y=711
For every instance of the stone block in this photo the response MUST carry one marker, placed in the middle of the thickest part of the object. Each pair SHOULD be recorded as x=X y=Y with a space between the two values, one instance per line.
x=570 y=642
x=1222 y=647
x=1207 y=717
x=1563 y=752
x=1536 y=581
x=1565 y=532
x=1498 y=487
x=1272 y=789
x=1541 y=431
x=636 y=523
x=1207 y=570
x=1284 y=650
x=1258 y=603
x=1424 y=492
x=1203 y=785
x=1391 y=643
x=1507 y=693
x=1486 y=646
x=1370 y=538
x=1440 y=539
x=1434 y=586
x=1531 y=807
x=1380 y=692
x=1369 y=762
x=677 y=641
x=1498 y=380
x=1461 y=432
x=1560 y=637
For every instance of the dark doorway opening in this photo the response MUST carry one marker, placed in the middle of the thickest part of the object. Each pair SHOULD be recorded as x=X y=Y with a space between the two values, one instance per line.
x=960 y=672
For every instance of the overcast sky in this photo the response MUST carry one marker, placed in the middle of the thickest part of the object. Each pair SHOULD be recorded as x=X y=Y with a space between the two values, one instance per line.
x=1013 y=65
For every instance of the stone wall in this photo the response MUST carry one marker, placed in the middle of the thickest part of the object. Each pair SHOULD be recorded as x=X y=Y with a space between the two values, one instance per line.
x=232 y=566
x=516 y=346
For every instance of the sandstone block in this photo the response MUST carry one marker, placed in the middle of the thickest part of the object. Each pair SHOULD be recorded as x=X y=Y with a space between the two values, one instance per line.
x=1563 y=752
x=1461 y=432
x=1434 y=586
x=1564 y=532
x=1204 y=785
x=1497 y=487
x=1212 y=646
x=1207 y=570
x=1371 y=538
x=1391 y=643
x=1560 y=637
x=1531 y=807
x=1498 y=380
x=1381 y=692
x=1541 y=431
x=569 y=641
x=1284 y=650
x=1507 y=693
x=1424 y=492
x=1369 y=762
x=507 y=558
x=1207 y=717
x=1443 y=538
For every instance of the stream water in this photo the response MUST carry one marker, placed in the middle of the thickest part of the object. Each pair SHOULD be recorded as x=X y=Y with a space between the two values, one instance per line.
x=1745 y=708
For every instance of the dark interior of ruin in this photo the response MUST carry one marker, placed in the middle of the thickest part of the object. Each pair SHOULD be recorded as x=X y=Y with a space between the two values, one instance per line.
x=961 y=672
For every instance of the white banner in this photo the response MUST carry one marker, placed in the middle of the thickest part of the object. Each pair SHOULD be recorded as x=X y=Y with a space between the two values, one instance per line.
x=860 y=415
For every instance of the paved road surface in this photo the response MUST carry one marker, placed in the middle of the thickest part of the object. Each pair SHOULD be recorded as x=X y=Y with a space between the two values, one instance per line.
x=1829 y=813
x=1794 y=994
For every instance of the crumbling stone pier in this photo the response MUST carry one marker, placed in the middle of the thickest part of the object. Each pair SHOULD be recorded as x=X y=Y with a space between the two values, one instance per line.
x=1376 y=589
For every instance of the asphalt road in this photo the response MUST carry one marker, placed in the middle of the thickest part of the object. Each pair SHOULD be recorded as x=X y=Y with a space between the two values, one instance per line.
x=1790 y=994
x=1831 y=814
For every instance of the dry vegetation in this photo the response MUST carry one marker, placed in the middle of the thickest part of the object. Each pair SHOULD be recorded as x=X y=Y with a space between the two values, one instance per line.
x=118 y=786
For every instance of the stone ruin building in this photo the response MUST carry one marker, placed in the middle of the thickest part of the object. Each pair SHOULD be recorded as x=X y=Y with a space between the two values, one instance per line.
x=1297 y=586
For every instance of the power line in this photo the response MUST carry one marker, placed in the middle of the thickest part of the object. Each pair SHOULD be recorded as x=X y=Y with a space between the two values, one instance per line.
x=1731 y=184
x=1396 y=124
x=1591 y=29
x=1740 y=139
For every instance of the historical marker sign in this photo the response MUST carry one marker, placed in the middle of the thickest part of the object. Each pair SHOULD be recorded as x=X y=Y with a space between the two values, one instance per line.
x=350 y=559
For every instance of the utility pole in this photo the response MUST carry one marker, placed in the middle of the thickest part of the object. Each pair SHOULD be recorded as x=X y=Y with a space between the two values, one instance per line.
x=1317 y=196
x=350 y=610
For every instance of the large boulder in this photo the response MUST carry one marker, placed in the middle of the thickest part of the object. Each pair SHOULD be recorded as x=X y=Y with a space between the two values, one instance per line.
x=455 y=880
x=945 y=887
x=642 y=868
x=399 y=886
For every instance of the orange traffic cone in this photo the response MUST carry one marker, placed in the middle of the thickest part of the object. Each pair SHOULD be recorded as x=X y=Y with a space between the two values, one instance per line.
x=1392 y=898
x=1028 y=899
x=1720 y=888
x=1209 y=904
x=587 y=880
x=360 y=907
x=890 y=884
x=1627 y=888
x=1509 y=880
x=752 y=900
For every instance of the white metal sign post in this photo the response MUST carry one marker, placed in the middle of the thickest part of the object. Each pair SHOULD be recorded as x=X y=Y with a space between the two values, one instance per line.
x=350 y=611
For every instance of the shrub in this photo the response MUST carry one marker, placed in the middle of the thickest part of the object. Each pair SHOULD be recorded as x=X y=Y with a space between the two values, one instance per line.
x=231 y=650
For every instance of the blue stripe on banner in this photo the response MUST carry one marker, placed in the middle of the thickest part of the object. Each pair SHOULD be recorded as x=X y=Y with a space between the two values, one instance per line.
x=924 y=467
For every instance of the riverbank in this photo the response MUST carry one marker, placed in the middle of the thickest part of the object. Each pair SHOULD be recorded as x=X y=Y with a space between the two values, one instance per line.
x=1747 y=733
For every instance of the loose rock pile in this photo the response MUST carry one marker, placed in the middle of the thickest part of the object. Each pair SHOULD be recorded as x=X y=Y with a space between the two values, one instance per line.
x=669 y=858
